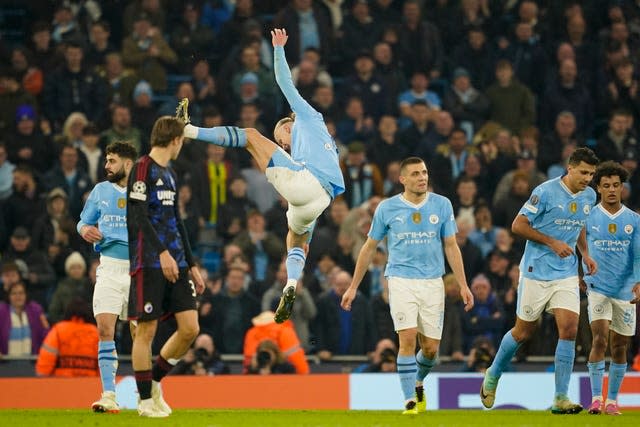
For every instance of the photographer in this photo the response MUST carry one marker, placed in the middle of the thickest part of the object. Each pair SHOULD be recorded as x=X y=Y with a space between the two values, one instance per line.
x=268 y=359
x=201 y=359
x=481 y=355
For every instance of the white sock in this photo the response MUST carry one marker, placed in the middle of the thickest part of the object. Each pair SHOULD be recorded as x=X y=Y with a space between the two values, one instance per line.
x=190 y=131
x=291 y=282
x=594 y=398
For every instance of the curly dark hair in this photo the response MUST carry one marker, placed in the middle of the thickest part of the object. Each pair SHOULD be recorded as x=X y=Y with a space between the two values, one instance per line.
x=123 y=149
x=610 y=168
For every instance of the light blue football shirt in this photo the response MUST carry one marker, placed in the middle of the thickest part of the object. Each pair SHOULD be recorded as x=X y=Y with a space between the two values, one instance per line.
x=555 y=211
x=107 y=207
x=311 y=144
x=414 y=235
x=614 y=243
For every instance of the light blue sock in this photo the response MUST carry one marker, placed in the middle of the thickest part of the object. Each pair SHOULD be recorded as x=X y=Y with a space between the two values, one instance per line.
x=225 y=136
x=565 y=353
x=424 y=366
x=596 y=372
x=108 y=364
x=407 y=372
x=508 y=348
x=616 y=374
x=295 y=264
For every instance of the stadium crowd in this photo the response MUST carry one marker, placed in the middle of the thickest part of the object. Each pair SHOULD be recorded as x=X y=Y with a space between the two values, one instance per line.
x=494 y=95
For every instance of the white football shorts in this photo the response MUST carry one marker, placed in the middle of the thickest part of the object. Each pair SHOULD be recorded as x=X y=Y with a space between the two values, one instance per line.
x=417 y=303
x=534 y=296
x=306 y=196
x=111 y=293
x=621 y=314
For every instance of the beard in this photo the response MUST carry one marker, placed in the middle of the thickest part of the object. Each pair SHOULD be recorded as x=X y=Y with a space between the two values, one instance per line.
x=115 y=176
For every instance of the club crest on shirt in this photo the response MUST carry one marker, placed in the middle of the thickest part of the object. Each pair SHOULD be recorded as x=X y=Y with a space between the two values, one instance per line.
x=573 y=207
x=416 y=217
x=628 y=228
x=586 y=209
x=122 y=202
x=148 y=308
x=433 y=219
x=612 y=228
x=534 y=200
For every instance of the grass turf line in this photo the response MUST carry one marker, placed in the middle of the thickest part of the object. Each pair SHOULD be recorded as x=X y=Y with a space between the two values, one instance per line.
x=259 y=418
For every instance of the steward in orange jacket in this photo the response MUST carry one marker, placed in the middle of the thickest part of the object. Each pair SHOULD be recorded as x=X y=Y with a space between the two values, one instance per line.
x=283 y=334
x=70 y=348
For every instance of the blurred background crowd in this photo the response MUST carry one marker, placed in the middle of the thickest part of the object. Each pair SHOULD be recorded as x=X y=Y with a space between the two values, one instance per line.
x=493 y=94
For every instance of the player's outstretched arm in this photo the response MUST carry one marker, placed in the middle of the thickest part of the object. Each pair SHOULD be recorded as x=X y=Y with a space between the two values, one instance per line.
x=283 y=74
x=362 y=264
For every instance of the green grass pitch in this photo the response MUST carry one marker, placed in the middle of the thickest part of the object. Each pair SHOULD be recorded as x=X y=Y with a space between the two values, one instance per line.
x=259 y=418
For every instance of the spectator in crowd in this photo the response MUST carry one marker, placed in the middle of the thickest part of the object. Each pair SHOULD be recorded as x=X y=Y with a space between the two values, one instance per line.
x=212 y=178
x=23 y=325
x=419 y=43
x=45 y=55
x=362 y=178
x=418 y=91
x=366 y=84
x=481 y=355
x=391 y=73
x=333 y=323
x=528 y=57
x=282 y=334
x=308 y=25
x=190 y=37
x=497 y=270
x=622 y=91
x=486 y=318
x=448 y=164
x=73 y=87
x=41 y=274
x=618 y=137
x=383 y=358
x=143 y=112
x=204 y=84
x=269 y=359
x=474 y=55
x=201 y=359
x=484 y=235
x=303 y=312
x=566 y=92
x=564 y=133
x=148 y=52
x=74 y=181
x=508 y=207
x=230 y=312
x=526 y=163
x=26 y=144
x=12 y=95
x=75 y=284
x=355 y=125
x=464 y=202
x=69 y=350
x=71 y=130
x=415 y=134
x=471 y=254
x=122 y=129
x=511 y=102
x=25 y=204
x=120 y=81
x=359 y=31
x=323 y=101
x=100 y=45
x=468 y=106
x=435 y=141
x=92 y=159
x=29 y=76
x=263 y=249
x=231 y=215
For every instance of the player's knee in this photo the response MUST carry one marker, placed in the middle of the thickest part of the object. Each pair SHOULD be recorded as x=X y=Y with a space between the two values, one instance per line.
x=189 y=332
x=599 y=342
x=106 y=333
x=252 y=134
x=568 y=332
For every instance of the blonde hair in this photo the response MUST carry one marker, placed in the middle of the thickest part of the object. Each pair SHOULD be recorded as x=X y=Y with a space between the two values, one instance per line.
x=283 y=121
x=73 y=117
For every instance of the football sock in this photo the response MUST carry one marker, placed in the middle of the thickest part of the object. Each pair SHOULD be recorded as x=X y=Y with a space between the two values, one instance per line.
x=616 y=374
x=225 y=136
x=596 y=372
x=508 y=348
x=424 y=366
x=565 y=353
x=295 y=265
x=161 y=368
x=143 y=380
x=108 y=364
x=406 y=366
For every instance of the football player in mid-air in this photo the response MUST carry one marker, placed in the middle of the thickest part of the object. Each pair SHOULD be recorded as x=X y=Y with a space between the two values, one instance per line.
x=308 y=179
x=553 y=222
x=613 y=236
